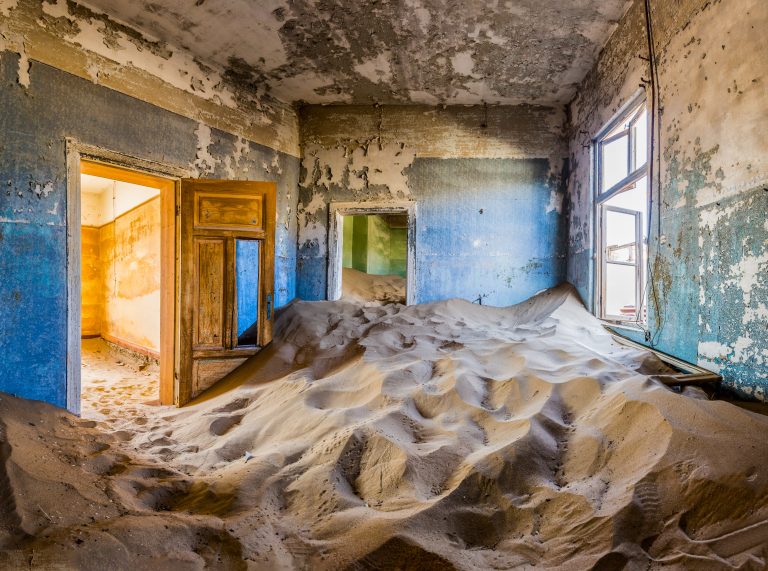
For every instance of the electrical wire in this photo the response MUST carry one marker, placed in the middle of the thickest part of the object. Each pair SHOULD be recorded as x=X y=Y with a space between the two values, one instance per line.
x=654 y=167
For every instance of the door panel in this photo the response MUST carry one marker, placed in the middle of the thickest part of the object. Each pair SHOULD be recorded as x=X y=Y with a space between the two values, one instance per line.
x=226 y=278
x=209 y=294
x=230 y=212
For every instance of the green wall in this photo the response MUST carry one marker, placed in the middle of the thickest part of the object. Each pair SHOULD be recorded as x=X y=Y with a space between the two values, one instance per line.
x=371 y=246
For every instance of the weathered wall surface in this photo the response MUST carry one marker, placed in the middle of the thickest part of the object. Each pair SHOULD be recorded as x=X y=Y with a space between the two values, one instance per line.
x=87 y=43
x=709 y=256
x=34 y=120
x=129 y=249
x=486 y=180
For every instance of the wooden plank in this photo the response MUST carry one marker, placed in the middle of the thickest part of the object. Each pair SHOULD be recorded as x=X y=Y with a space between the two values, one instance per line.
x=210 y=293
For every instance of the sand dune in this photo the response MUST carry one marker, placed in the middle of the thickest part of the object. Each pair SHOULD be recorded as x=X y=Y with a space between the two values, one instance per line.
x=439 y=436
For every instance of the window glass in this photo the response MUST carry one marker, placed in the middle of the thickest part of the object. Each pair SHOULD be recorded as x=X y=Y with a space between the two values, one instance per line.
x=247 y=291
x=621 y=282
x=620 y=236
x=640 y=133
x=614 y=161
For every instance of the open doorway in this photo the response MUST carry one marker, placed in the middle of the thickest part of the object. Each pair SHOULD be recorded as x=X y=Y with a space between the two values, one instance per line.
x=371 y=252
x=122 y=279
x=374 y=248
x=216 y=291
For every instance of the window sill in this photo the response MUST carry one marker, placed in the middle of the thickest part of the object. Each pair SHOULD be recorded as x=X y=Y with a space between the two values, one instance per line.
x=626 y=325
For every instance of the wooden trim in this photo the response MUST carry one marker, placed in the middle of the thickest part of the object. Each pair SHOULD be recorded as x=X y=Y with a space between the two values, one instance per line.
x=136 y=348
x=120 y=174
x=267 y=254
x=336 y=213
x=167 y=292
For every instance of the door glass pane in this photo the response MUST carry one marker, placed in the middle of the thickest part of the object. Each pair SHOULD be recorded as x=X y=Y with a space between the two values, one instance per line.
x=615 y=162
x=620 y=291
x=247 y=291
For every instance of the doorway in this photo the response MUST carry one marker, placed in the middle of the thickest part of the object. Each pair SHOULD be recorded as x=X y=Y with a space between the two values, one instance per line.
x=216 y=241
x=374 y=248
x=371 y=254
x=126 y=273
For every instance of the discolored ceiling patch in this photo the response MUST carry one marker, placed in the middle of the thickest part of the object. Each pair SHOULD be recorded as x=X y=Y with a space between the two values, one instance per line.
x=385 y=51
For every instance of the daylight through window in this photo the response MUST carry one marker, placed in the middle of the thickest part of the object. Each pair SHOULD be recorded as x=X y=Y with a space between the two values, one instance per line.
x=622 y=200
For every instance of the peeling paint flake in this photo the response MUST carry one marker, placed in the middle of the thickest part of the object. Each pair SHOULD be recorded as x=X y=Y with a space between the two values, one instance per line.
x=205 y=162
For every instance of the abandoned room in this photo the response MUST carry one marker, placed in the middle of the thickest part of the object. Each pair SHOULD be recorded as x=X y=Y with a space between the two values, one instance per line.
x=384 y=285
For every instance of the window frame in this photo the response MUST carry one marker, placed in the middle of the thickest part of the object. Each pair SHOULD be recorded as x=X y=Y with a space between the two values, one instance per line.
x=631 y=114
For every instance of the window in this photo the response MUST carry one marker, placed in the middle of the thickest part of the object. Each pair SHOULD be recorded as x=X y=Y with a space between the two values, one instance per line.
x=622 y=198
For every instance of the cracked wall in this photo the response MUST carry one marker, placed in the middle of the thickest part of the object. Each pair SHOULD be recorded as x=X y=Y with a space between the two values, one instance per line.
x=416 y=51
x=486 y=180
x=35 y=120
x=710 y=258
x=88 y=43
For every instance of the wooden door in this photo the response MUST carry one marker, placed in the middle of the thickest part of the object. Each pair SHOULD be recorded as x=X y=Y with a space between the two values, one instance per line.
x=226 y=278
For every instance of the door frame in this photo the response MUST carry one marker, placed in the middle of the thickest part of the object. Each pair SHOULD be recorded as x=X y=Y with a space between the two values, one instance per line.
x=169 y=200
x=336 y=213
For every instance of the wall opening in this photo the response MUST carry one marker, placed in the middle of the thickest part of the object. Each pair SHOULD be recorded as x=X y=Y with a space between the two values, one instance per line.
x=371 y=254
x=122 y=287
x=120 y=238
x=374 y=257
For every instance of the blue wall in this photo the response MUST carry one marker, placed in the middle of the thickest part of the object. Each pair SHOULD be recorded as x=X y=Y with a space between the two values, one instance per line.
x=483 y=230
x=34 y=123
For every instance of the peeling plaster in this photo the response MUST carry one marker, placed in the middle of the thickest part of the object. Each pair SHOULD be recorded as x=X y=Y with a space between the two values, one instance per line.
x=477 y=175
x=205 y=162
x=91 y=44
x=555 y=202
x=710 y=258
x=417 y=51
x=23 y=77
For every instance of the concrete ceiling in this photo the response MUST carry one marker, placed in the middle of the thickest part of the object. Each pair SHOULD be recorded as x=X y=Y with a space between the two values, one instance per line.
x=388 y=51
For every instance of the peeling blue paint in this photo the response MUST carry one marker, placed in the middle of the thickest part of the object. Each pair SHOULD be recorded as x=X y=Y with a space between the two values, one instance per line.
x=35 y=122
x=484 y=231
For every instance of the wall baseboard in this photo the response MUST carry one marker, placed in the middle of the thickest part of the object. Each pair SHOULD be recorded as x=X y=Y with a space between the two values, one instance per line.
x=131 y=346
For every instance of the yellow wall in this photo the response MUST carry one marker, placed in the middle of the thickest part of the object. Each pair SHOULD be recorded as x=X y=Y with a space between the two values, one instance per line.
x=91 y=282
x=127 y=296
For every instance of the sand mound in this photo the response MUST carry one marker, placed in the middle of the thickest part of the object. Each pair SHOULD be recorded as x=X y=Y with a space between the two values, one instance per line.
x=424 y=437
x=359 y=287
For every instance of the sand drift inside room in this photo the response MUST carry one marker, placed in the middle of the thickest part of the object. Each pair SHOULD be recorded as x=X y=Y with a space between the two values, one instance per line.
x=421 y=285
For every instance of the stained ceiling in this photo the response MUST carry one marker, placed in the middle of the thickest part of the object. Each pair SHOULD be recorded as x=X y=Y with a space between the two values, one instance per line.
x=387 y=51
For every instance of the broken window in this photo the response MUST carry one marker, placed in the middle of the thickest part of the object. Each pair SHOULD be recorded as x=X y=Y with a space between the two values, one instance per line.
x=622 y=197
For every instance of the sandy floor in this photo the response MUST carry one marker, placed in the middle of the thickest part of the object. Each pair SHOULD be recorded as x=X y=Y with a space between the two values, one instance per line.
x=117 y=386
x=359 y=287
x=439 y=436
